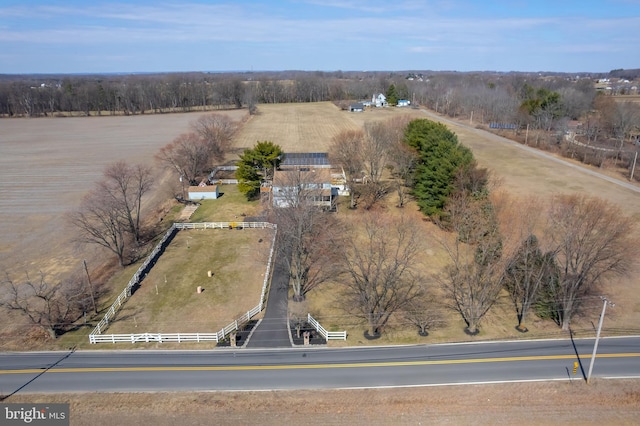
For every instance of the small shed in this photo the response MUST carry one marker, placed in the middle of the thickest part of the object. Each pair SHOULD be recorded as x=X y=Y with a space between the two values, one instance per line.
x=403 y=102
x=209 y=192
x=357 y=107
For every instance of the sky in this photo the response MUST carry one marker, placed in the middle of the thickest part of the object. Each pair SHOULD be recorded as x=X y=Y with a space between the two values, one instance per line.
x=94 y=36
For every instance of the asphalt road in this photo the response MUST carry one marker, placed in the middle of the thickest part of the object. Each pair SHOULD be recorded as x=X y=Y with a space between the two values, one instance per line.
x=315 y=368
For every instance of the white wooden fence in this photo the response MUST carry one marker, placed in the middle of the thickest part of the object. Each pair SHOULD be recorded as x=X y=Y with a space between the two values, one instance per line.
x=142 y=271
x=328 y=335
x=155 y=337
x=212 y=175
x=224 y=225
x=224 y=182
x=96 y=335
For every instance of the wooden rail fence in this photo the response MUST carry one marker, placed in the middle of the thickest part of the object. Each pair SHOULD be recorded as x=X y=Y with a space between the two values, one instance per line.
x=328 y=335
x=97 y=336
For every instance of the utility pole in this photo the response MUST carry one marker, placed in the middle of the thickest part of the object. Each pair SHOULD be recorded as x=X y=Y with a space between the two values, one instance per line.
x=595 y=345
x=184 y=196
x=93 y=298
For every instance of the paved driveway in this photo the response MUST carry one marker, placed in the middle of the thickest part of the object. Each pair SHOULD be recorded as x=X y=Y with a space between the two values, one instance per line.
x=272 y=332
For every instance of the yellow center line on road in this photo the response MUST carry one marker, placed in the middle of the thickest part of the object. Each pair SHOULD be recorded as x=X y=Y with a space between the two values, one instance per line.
x=308 y=366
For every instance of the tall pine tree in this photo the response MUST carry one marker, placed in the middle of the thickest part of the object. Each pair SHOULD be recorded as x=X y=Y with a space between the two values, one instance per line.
x=257 y=164
x=441 y=156
x=392 y=95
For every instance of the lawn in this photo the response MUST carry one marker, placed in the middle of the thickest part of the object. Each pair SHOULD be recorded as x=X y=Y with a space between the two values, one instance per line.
x=168 y=301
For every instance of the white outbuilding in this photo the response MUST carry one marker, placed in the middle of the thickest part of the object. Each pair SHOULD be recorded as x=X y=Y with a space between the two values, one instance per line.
x=209 y=192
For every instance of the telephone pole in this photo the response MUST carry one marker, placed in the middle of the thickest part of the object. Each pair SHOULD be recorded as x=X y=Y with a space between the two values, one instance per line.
x=595 y=345
x=93 y=297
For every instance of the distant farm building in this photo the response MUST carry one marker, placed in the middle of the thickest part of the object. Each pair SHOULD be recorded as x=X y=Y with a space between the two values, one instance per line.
x=403 y=103
x=379 y=100
x=357 y=107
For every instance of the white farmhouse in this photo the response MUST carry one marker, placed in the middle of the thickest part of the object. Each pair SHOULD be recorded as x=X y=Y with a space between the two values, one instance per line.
x=379 y=100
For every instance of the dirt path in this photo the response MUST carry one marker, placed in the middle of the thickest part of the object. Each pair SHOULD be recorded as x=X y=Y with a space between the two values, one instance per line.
x=186 y=212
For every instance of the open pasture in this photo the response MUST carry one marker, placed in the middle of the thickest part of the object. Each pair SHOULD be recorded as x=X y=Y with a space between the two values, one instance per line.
x=168 y=301
x=306 y=127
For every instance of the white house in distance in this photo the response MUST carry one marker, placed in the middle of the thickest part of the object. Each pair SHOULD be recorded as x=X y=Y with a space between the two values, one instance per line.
x=208 y=192
x=379 y=100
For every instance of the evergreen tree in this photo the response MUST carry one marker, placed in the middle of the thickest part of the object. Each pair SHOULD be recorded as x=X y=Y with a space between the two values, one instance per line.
x=265 y=157
x=440 y=159
x=256 y=165
x=542 y=105
x=248 y=180
x=392 y=95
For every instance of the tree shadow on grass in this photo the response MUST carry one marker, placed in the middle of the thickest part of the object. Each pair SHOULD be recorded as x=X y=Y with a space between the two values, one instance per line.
x=373 y=336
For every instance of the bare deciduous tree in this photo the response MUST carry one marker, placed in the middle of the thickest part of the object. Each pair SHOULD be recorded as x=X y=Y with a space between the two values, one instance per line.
x=297 y=314
x=99 y=221
x=307 y=235
x=403 y=160
x=53 y=308
x=379 y=266
x=474 y=278
x=191 y=154
x=379 y=136
x=187 y=155
x=592 y=240
x=528 y=272
x=370 y=193
x=626 y=117
x=529 y=264
x=127 y=185
x=217 y=132
x=374 y=153
x=346 y=151
x=424 y=313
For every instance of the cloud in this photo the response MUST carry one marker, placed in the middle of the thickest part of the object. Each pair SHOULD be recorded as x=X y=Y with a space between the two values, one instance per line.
x=307 y=30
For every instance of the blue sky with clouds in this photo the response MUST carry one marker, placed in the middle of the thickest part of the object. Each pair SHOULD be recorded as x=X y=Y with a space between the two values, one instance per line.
x=169 y=35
